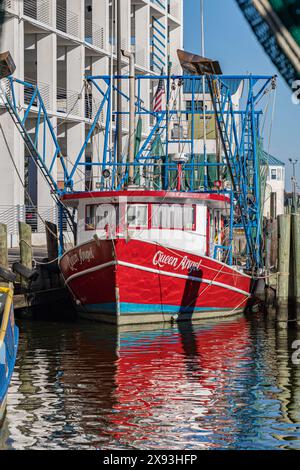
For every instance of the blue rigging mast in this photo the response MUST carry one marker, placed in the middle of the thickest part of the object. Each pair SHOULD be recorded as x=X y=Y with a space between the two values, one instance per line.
x=154 y=165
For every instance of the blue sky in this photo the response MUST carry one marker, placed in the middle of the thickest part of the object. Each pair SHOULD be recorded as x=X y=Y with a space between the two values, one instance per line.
x=230 y=40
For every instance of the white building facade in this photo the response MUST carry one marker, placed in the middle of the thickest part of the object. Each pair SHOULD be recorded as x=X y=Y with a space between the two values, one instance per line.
x=56 y=44
x=275 y=187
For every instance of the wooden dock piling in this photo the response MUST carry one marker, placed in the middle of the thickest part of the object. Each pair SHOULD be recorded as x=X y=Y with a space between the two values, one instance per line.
x=52 y=240
x=284 y=246
x=296 y=263
x=3 y=250
x=25 y=236
x=3 y=246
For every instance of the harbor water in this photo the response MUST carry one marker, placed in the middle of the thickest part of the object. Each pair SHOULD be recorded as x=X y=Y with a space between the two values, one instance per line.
x=231 y=384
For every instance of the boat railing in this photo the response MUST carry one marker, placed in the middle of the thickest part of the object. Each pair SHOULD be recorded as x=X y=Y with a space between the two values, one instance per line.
x=161 y=173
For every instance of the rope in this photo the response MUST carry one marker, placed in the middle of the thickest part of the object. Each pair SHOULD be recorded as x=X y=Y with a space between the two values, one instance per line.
x=40 y=263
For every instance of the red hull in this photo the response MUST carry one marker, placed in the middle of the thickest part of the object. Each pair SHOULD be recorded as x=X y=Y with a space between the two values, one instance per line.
x=138 y=282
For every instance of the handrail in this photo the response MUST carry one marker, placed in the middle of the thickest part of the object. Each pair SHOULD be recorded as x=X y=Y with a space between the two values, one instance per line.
x=6 y=313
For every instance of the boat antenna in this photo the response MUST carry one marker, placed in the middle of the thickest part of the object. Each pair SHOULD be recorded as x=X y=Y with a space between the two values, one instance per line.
x=203 y=99
x=113 y=35
x=119 y=86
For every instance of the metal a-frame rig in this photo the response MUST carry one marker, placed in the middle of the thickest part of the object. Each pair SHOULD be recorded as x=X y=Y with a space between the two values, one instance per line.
x=238 y=162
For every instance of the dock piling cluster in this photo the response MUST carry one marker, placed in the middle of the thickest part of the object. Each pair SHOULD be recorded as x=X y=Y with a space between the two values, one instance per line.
x=36 y=283
x=288 y=267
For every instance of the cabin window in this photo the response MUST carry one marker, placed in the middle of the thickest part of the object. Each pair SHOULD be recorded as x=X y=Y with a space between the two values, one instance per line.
x=137 y=216
x=273 y=174
x=175 y=216
x=198 y=106
x=189 y=217
x=101 y=217
x=90 y=220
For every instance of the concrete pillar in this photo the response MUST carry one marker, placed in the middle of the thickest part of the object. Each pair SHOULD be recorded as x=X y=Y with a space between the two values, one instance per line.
x=75 y=63
x=100 y=66
x=175 y=43
x=11 y=143
x=126 y=23
x=101 y=19
x=47 y=68
x=77 y=8
x=75 y=66
x=53 y=7
x=47 y=81
x=142 y=36
x=142 y=55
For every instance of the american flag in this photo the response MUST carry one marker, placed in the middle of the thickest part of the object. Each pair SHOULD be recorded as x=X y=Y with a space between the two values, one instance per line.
x=158 y=98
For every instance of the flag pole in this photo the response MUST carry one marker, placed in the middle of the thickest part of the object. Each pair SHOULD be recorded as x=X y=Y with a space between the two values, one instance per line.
x=204 y=106
x=119 y=86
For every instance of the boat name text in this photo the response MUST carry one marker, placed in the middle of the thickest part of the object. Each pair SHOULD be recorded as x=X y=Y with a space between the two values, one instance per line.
x=162 y=260
x=80 y=257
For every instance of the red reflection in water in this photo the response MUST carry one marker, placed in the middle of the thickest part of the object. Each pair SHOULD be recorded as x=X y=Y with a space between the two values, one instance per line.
x=166 y=377
x=154 y=386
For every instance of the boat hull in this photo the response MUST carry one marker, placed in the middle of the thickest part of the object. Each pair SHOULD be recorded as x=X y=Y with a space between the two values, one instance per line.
x=138 y=282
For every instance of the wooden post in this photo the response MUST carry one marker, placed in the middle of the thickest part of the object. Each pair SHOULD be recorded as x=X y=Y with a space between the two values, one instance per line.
x=3 y=246
x=52 y=240
x=274 y=243
x=25 y=234
x=284 y=244
x=296 y=262
x=3 y=250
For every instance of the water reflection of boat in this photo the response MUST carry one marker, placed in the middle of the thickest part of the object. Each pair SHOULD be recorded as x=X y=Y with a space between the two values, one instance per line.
x=8 y=344
x=153 y=381
x=227 y=384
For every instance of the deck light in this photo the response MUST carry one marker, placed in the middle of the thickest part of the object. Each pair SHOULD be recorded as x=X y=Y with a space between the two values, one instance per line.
x=106 y=174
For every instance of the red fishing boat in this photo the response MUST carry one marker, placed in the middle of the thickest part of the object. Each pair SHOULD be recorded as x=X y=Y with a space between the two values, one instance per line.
x=150 y=256
x=156 y=242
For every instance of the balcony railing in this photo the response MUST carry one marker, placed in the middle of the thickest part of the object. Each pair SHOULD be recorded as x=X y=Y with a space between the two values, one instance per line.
x=39 y=10
x=44 y=89
x=36 y=216
x=94 y=34
x=68 y=101
x=67 y=21
x=113 y=42
x=10 y=216
x=91 y=107
x=141 y=57
x=32 y=215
